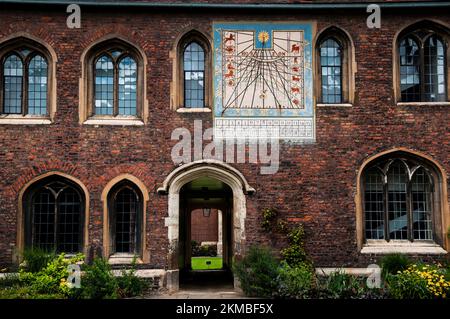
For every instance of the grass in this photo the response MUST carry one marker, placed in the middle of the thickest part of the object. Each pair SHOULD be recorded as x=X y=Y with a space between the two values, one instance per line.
x=200 y=263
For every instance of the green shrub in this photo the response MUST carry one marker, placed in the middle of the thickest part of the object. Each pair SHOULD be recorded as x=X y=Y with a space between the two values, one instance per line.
x=257 y=272
x=20 y=292
x=393 y=263
x=296 y=282
x=98 y=281
x=34 y=259
x=51 y=279
x=340 y=285
x=204 y=250
x=129 y=285
x=295 y=253
x=9 y=280
x=269 y=215
x=419 y=282
x=447 y=272
x=195 y=247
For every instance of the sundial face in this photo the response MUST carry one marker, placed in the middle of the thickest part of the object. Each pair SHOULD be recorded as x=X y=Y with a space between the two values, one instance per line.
x=263 y=79
x=262 y=69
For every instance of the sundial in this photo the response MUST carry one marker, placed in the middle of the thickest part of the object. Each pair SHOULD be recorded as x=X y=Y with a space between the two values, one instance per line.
x=263 y=80
x=262 y=69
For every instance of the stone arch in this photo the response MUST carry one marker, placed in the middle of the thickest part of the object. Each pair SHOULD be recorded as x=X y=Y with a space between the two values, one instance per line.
x=189 y=172
x=21 y=214
x=440 y=184
x=104 y=198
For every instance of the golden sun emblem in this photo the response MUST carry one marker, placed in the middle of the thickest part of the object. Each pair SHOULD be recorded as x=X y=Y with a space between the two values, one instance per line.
x=263 y=36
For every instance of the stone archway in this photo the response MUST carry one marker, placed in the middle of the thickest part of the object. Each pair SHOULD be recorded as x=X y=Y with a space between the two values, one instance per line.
x=187 y=173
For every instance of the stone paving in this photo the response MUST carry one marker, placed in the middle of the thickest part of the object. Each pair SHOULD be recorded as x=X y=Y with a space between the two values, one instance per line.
x=196 y=294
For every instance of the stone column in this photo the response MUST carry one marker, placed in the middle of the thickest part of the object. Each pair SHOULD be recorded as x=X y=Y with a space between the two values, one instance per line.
x=219 y=232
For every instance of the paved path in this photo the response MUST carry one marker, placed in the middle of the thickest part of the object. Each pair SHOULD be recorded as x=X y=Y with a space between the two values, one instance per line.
x=198 y=294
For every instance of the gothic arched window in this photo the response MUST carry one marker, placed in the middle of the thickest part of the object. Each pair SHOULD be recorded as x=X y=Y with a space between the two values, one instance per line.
x=54 y=216
x=24 y=82
x=399 y=200
x=126 y=210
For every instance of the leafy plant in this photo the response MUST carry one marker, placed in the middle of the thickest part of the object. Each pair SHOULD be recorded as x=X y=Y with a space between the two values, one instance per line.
x=129 y=285
x=295 y=254
x=393 y=263
x=98 y=281
x=34 y=259
x=296 y=282
x=269 y=215
x=50 y=279
x=340 y=285
x=204 y=250
x=9 y=280
x=257 y=272
x=419 y=282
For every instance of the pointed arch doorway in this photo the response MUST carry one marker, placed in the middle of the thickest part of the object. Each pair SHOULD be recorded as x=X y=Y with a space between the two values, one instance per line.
x=187 y=187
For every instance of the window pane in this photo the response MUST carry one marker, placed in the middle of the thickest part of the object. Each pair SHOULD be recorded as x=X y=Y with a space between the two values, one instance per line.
x=421 y=205
x=37 y=86
x=127 y=86
x=434 y=70
x=397 y=212
x=194 y=67
x=12 y=79
x=409 y=70
x=126 y=204
x=69 y=220
x=104 y=86
x=43 y=219
x=331 y=70
x=60 y=204
x=374 y=205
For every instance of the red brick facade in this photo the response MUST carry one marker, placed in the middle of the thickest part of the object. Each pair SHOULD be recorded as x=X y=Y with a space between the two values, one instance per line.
x=204 y=228
x=316 y=183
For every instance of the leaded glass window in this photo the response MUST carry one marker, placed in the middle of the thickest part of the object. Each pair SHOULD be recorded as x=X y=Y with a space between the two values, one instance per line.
x=116 y=79
x=37 y=85
x=125 y=215
x=409 y=70
x=421 y=205
x=331 y=71
x=434 y=70
x=374 y=204
x=398 y=196
x=194 y=75
x=56 y=214
x=423 y=67
x=25 y=83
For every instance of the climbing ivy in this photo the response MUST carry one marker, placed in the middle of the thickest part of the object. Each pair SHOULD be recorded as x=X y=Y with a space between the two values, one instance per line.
x=295 y=253
x=269 y=215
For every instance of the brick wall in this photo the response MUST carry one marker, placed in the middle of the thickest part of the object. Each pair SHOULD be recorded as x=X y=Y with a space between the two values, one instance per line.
x=204 y=228
x=316 y=183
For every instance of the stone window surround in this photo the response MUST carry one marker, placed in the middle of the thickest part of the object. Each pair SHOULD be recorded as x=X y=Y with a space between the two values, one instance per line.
x=402 y=246
x=125 y=258
x=177 y=85
x=349 y=66
x=20 y=240
x=19 y=39
x=443 y=31
x=86 y=83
